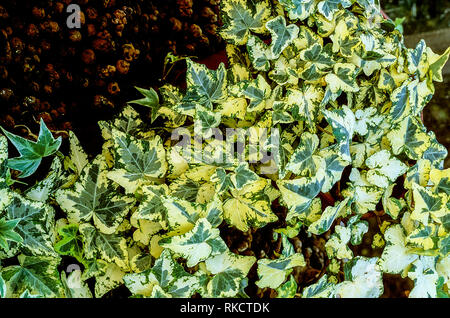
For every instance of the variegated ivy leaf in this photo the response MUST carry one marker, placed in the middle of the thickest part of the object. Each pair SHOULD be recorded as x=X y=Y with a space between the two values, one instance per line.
x=150 y=100
x=138 y=161
x=171 y=97
x=205 y=87
x=95 y=197
x=334 y=166
x=364 y=279
x=366 y=118
x=37 y=274
x=259 y=54
x=318 y=61
x=71 y=243
x=343 y=78
x=241 y=17
x=416 y=58
x=205 y=120
x=110 y=278
x=181 y=214
x=128 y=121
x=78 y=158
x=358 y=229
x=303 y=161
x=424 y=237
x=425 y=277
x=435 y=153
x=282 y=35
x=151 y=207
x=42 y=190
x=272 y=273
x=288 y=289
x=112 y=248
x=197 y=245
x=329 y=215
x=298 y=9
x=384 y=168
x=165 y=273
x=34 y=222
x=336 y=246
x=250 y=206
x=343 y=123
x=409 y=136
x=31 y=153
x=344 y=42
x=365 y=195
x=391 y=205
x=305 y=103
x=321 y=289
x=298 y=194
x=437 y=63
x=329 y=7
x=396 y=256
x=229 y=271
x=428 y=204
x=74 y=287
x=257 y=91
x=440 y=180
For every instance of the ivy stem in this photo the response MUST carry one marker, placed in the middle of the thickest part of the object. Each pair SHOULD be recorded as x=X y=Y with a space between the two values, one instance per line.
x=323 y=130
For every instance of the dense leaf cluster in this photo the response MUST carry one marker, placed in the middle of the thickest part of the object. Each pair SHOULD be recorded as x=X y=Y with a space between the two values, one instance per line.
x=335 y=81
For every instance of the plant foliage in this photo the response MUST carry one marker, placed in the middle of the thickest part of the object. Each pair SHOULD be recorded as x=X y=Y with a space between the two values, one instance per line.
x=332 y=81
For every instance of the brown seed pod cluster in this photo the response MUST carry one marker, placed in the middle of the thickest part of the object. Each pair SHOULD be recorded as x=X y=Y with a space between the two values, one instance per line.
x=75 y=77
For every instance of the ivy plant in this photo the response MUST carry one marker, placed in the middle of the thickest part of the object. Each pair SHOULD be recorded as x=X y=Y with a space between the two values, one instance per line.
x=330 y=102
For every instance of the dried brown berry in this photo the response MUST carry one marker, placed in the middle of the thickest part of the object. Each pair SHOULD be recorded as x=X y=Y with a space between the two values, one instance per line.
x=113 y=88
x=122 y=66
x=88 y=56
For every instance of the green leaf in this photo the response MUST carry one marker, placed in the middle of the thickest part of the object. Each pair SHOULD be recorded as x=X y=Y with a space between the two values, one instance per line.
x=282 y=35
x=31 y=153
x=150 y=100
